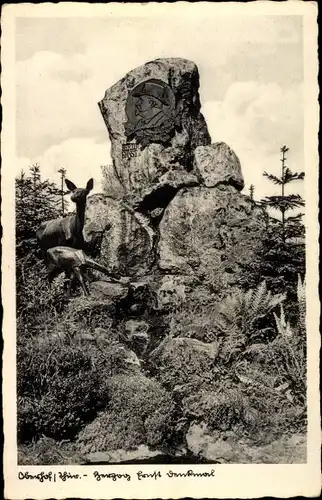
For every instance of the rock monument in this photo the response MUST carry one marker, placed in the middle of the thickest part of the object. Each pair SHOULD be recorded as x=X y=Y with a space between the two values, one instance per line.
x=180 y=208
x=154 y=122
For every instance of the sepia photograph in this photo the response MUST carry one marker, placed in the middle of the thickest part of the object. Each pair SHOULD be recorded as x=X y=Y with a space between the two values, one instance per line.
x=161 y=222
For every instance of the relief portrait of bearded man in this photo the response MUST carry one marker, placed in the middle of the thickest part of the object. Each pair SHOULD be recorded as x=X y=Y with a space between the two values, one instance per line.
x=150 y=110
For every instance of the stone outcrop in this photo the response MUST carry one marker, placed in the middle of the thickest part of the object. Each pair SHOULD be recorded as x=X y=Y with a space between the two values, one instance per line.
x=141 y=453
x=209 y=230
x=132 y=299
x=180 y=209
x=126 y=241
x=218 y=164
x=226 y=447
x=151 y=139
x=112 y=291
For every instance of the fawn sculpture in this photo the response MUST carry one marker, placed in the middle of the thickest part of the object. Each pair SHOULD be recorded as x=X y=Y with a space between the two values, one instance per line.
x=73 y=261
x=69 y=230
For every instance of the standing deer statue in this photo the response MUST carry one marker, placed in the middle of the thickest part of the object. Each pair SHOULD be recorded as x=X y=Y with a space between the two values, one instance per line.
x=69 y=230
x=72 y=261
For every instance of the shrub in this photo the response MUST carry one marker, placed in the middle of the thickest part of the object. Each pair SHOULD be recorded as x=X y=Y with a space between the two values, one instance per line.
x=184 y=362
x=59 y=389
x=61 y=383
x=237 y=320
x=284 y=359
x=277 y=415
x=251 y=411
x=47 y=451
x=41 y=361
x=196 y=321
x=62 y=410
x=285 y=356
x=139 y=412
x=220 y=409
x=38 y=306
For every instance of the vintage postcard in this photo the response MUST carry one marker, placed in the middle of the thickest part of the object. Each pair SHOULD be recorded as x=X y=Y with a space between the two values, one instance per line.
x=160 y=250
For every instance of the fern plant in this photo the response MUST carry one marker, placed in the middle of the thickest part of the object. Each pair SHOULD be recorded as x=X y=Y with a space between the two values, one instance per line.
x=285 y=356
x=243 y=319
x=283 y=326
x=301 y=301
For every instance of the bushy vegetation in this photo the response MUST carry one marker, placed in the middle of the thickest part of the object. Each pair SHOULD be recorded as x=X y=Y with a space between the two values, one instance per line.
x=61 y=380
x=183 y=363
x=225 y=358
x=36 y=200
x=252 y=380
x=58 y=389
x=140 y=411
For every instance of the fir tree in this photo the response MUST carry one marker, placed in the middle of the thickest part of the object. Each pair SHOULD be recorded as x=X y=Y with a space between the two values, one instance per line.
x=36 y=201
x=45 y=195
x=282 y=257
x=62 y=192
x=289 y=226
x=23 y=207
x=251 y=195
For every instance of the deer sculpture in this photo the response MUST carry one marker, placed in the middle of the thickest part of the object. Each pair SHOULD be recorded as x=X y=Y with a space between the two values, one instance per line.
x=72 y=261
x=69 y=230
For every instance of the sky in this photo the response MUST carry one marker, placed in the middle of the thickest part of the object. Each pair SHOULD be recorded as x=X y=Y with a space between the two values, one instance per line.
x=251 y=82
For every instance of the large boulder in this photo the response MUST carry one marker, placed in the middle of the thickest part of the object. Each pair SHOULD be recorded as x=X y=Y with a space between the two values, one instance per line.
x=154 y=122
x=121 y=456
x=125 y=239
x=229 y=448
x=209 y=232
x=180 y=209
x=112 y=291
x=218 y=164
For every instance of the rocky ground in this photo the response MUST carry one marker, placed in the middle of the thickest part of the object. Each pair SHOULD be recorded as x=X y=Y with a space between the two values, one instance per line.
x=154 y=386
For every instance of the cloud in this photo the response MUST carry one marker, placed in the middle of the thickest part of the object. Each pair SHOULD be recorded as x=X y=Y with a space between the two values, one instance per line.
x=81 y=157
x=256 y=120
x=72 y=35
x=57 y=95
x=250 y=73
x=52 y=107
x=72 y=61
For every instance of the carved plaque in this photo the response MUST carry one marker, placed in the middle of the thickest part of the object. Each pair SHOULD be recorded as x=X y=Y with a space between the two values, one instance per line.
x=151 y=112
x=129 y=150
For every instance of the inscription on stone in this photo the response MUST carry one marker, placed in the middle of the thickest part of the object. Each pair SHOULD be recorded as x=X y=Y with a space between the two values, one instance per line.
x=129 y=150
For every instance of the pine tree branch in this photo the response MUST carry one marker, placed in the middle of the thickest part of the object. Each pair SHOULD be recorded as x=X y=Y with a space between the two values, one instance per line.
x=288 y=202
x=290 y=176
x=273 y=178
x=295 y=218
